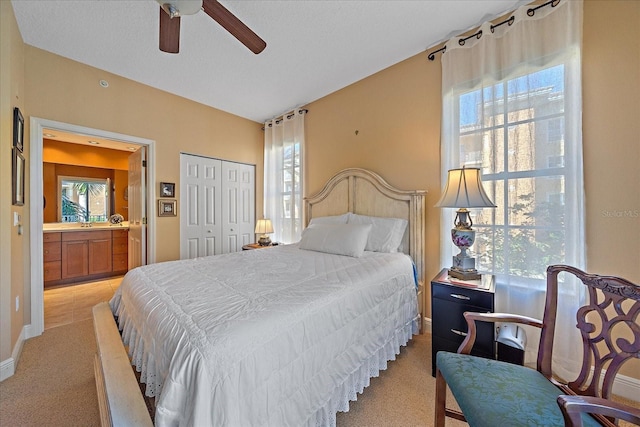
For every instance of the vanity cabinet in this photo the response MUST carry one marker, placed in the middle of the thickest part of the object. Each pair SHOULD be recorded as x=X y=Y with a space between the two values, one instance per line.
x=86 y=253
x=72 y=256
x=75 y=258
x=120 y=249
x=52 y=251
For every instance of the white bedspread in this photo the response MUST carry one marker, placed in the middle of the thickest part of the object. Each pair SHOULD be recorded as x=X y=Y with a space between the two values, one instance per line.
x=277 y=337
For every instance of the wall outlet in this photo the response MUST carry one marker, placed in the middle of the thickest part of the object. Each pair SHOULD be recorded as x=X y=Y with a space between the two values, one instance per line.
x=18 y=303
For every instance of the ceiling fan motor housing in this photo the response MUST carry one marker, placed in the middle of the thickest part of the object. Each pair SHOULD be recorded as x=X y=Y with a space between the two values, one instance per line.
x=180 y=7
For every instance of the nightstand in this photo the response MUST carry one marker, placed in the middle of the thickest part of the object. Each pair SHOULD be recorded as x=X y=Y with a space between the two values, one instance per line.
x=450 y=298
x=251 y=246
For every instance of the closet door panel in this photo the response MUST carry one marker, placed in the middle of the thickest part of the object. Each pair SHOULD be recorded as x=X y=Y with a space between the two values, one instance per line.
x=200 y=227
x=238 y=222
x=217 y=206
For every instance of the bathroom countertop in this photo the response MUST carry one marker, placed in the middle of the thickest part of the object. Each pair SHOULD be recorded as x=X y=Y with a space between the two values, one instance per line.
x=57 y=227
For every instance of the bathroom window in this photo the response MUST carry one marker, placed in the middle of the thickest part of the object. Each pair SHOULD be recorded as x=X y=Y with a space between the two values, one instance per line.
x=83 y=199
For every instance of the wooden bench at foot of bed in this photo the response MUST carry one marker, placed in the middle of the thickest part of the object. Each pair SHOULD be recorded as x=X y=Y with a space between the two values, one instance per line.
x=119 y=397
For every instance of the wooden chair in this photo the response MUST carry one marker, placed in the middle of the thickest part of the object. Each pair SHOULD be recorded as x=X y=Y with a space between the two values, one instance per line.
x=494 y=393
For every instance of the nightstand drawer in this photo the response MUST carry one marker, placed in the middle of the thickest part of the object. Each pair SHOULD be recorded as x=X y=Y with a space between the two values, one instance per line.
x=452 y=326
x=461 y=295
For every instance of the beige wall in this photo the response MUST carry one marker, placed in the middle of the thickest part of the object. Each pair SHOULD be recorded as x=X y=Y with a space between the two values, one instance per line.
x=611 y=135
x=12 y=245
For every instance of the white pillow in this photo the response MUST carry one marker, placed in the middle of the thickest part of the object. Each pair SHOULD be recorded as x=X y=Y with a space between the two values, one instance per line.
x=335 y=219
x=386 y=233
x=339 y=239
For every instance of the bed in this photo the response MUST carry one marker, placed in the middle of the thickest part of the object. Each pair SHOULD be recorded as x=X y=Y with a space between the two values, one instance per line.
x=285 y=335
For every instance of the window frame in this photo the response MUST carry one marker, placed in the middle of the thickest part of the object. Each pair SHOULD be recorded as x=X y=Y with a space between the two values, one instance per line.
x=107 y=199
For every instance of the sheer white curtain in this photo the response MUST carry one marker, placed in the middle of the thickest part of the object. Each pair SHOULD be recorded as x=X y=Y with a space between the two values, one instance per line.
x=283 y=175
x=512 y=106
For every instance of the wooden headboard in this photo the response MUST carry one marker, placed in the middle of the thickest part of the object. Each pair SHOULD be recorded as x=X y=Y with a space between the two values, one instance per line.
x=363 y=192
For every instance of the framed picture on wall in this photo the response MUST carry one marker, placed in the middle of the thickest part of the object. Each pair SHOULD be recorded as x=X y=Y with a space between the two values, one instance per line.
x=167 y=208
x=167 y=189
x=17 y=178
x=18 y=129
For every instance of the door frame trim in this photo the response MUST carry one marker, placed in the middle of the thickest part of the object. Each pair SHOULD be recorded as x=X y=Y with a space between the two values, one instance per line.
x=35 y=266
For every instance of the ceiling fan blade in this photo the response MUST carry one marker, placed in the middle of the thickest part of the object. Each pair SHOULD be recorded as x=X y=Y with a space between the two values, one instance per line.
x=169 y=33
x=232 y=24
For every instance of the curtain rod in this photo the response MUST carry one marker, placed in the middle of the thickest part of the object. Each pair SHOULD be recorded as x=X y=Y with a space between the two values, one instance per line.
x=531 y=11
x=288 y=116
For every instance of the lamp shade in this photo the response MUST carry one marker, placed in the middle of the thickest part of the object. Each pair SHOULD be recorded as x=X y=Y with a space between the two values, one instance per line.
x=263 y=226
x=464 y=190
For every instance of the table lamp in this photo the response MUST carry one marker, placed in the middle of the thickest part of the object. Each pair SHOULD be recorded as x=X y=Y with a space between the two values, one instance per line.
x=264 y=227
x=464 y=190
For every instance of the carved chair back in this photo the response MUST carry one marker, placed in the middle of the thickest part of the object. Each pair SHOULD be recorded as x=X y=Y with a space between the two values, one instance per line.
x=612 y=307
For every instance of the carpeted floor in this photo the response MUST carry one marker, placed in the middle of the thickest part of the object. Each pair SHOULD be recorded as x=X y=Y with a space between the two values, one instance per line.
x=54 y=385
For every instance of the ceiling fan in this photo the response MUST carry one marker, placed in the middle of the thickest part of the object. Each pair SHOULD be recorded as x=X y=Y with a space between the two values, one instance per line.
x=172 y=10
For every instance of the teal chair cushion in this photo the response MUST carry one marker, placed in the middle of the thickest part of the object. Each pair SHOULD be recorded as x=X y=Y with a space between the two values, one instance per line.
x=498 y=394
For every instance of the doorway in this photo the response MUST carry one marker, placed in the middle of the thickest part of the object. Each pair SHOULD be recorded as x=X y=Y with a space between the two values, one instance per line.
x=37 y=126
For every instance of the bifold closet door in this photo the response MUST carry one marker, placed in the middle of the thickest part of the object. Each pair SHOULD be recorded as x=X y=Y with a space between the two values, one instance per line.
x=200 y=206
x=217 y=206
x=238 y=206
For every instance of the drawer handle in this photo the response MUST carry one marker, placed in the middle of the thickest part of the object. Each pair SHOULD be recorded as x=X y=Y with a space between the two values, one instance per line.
x=457 y=332
x=458 y=296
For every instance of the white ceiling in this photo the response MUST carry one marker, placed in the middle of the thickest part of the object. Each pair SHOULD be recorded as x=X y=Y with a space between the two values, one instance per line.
x=314 y=47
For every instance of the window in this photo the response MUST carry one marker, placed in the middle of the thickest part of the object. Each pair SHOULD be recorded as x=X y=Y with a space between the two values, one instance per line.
x=508 y=124
x=83 y=199
x=555 y=161
x=292 y=217
x=555 y=130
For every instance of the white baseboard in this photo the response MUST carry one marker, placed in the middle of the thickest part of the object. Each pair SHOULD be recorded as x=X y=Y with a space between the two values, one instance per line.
x=8 y=366
x=627 y=387
x=426 y=325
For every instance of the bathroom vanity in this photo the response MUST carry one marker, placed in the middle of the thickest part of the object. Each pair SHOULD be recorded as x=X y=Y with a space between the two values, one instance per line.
x=76 y=253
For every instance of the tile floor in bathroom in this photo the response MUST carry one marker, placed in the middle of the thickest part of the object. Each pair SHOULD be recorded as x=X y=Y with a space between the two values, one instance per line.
x=72 y=303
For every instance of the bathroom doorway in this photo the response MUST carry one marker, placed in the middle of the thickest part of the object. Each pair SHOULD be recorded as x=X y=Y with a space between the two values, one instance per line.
x=38 y=128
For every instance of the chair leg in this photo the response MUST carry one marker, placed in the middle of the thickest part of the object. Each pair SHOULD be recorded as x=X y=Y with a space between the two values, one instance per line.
x=441 y=400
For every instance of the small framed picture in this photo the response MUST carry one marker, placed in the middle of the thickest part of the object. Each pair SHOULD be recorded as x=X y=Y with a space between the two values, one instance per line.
x=167 y=208
x=18 y=178
x=18 y=129
x=167 y=189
